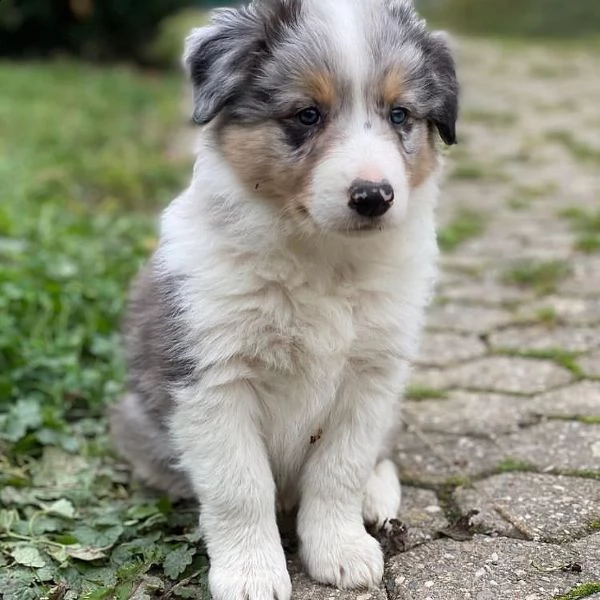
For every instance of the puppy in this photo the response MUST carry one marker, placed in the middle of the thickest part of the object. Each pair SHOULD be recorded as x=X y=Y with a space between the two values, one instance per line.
x=270 y=335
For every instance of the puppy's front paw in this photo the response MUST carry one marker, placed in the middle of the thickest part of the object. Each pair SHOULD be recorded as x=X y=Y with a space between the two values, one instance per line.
x=345 y=560
x=383 y=494
x=250 y=579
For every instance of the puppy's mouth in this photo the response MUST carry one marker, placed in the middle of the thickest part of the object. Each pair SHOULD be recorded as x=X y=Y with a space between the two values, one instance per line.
x=353 y=225
x=372 y=226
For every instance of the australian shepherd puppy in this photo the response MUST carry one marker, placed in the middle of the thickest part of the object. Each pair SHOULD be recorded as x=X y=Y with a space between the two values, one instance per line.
x=270 y=335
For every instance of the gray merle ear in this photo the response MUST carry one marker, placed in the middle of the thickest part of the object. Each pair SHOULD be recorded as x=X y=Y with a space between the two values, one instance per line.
x=219 y=59
x=443 y=86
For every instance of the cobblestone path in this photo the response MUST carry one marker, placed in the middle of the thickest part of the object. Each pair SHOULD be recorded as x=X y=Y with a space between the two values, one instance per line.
x=503 y=413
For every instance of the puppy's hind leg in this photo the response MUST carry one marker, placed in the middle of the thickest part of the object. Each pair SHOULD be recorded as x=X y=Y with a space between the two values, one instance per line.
x=145 y=444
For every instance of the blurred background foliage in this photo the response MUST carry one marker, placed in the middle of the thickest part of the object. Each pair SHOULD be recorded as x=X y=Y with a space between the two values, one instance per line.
x=151 y=31
x=93 y=29
x=518 y=18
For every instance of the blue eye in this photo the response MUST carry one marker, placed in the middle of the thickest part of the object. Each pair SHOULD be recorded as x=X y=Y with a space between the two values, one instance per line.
x=309 y=116
x=398 y=115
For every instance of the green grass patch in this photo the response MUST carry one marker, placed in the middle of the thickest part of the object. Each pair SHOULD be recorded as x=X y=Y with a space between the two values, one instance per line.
x=579 y=150
x=586 y=226
x=417 y=392
x=469 y=171
x=465 y=225
x=567 y=360
x=492 y=118
x=541 y=276
x=589 y=420
x=542 y=19
x=547 y=316
x=583 y=473
x=547 y=71
x=511 y=465
x=524 y=196
x=85 y=161
x=581 y=591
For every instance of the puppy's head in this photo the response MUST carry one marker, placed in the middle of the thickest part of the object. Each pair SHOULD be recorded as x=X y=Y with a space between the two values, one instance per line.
x=329 y=109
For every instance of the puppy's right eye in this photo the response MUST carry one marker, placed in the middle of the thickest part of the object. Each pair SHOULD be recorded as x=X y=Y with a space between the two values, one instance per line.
x=309 y=117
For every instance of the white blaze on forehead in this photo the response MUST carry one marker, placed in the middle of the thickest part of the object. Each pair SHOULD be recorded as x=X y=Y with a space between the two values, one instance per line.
x=344 y=22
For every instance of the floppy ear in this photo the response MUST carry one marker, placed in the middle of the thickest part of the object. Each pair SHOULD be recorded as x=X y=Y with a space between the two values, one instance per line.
x=444 y=86
x=218 y=59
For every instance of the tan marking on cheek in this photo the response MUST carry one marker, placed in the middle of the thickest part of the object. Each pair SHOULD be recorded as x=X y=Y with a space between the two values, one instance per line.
x=321 y=87
x=392 y=86
x=264 y=163
x=423 y=162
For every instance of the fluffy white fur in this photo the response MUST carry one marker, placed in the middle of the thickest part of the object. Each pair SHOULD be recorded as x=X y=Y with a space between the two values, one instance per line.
x=336 y=319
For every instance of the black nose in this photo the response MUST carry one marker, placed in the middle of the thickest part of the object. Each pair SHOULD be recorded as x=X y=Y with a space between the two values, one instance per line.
x=371 y=198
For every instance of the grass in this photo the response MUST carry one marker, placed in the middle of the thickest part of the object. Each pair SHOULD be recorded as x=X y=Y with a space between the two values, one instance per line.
x=583 y=473
x=543 y=19
x=492 y=118
x=566 y=360
x=581 y=591
x=511 y=465
x=84 y=163
x=586 y=226
x=524 y=195
x=543 y=277
x=579 y=150
x=469 y=171
x=417 y=392
x=594 y=525
x=547 y=316
x=466 y=224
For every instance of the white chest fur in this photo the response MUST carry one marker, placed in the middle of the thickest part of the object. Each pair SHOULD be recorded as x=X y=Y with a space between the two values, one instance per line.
x=292 y=316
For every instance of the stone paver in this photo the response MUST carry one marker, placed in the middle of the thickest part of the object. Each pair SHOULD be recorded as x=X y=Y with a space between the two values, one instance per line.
x=581 y=339
x=505 y=374
x=589 y=550
x=591 y=364
x=443 y=349
x=437 y=458
x=468 y=318
x=569 y=310
x=485 y=293
x=556 y=445
x=474 y=413
x=578 y=400
x=484 y=569
x=305 y=589
x=422 y=514
x=537 y=506
x=585 y=281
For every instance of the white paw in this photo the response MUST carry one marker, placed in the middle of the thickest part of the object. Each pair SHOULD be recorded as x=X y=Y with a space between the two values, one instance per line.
x=250 y=578
x=343 y=559
x=382 y=495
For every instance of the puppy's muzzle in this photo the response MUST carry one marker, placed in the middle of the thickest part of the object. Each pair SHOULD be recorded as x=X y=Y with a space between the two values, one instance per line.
x=371 y=198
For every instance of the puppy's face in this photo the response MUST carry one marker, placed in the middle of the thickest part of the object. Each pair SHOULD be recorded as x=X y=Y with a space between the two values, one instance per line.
x=329 y=109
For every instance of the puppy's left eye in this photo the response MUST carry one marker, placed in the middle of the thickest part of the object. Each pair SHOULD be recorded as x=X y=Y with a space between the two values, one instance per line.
x=309 y=117
x=398 y=115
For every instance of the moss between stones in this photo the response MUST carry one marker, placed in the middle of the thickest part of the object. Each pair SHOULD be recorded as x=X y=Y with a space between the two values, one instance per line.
x=418 y=392
x=562 y=358
x=541 y=276
x=583 y=473
x=510 y=465
x=581 y=591
x=594 y=525
x=467 y=224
